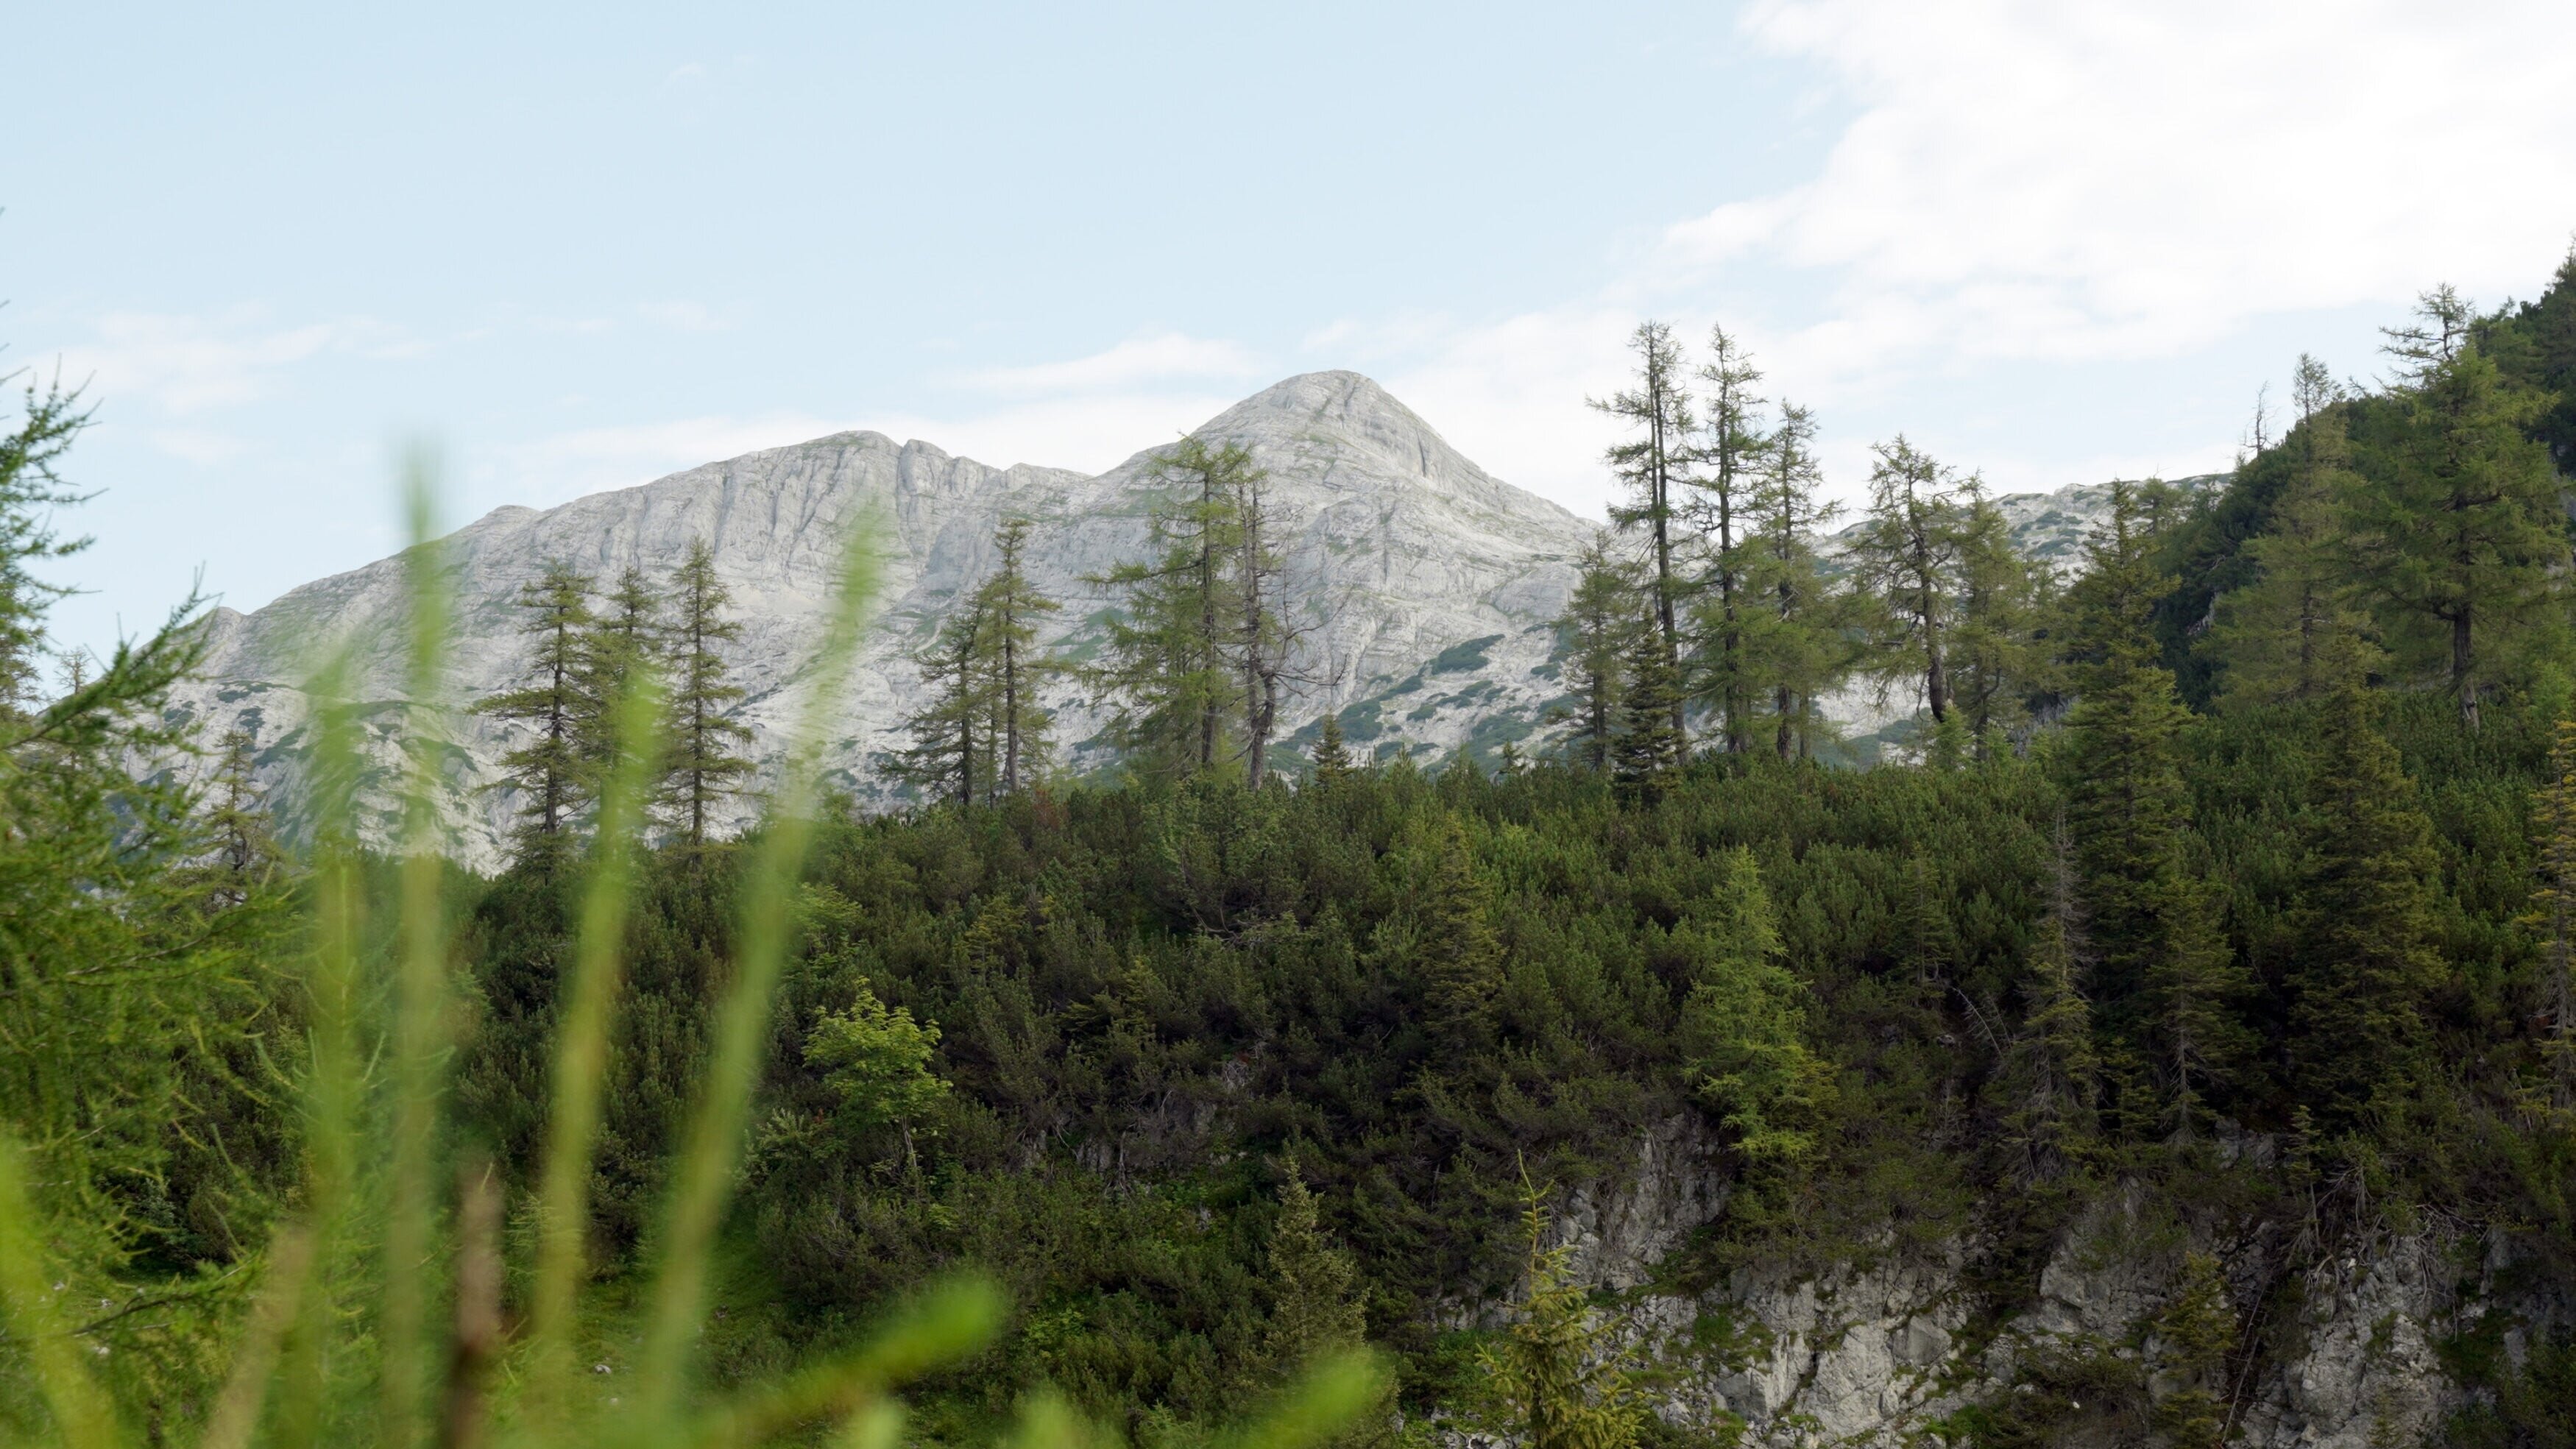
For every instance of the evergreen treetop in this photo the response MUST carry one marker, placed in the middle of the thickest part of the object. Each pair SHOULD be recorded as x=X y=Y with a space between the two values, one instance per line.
x=705 y=763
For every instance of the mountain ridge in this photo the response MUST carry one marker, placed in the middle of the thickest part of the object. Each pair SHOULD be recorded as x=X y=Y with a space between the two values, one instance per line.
x=1398 y=550
x=1428 y=588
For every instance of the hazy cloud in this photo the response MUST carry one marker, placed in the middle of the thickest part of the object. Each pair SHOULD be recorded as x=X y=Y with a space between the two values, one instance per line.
x=192 y=364
x=2030 y=179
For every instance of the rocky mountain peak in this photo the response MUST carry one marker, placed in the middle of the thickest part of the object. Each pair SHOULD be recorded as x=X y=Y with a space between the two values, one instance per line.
x=1426 y=588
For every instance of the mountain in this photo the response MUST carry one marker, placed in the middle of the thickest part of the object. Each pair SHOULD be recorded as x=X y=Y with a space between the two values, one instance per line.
x=1426 y=585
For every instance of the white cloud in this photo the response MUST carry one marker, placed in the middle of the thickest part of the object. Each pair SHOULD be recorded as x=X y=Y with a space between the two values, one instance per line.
x=1155 y=357
x=193 y=364
x=2035 y=179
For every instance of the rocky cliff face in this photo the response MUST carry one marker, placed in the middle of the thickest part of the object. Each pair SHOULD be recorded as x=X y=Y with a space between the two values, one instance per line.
x=1891 y=1349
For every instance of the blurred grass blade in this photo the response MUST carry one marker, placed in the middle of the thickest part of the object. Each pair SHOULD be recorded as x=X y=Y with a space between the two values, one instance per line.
x=713 y=1147
x=877 y=1425
x=1047 y=1422
x=334 y=1081
x=82 y=1413
x=1327 y=1398
x=255 y=1357
x=581 y=1045
x=420 y=999
x=951 y=1321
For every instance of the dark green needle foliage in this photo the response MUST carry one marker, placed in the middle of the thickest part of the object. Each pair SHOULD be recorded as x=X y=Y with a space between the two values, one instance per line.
x=706 y=763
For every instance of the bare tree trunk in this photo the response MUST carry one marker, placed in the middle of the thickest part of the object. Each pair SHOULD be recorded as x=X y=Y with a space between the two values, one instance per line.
x=1010 y=708
x=2464 y=676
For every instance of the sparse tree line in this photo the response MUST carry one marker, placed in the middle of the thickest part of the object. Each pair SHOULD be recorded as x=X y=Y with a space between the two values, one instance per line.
x=1721 y=619
x=2429 y=546
x=587 y=651
x=1199 y=659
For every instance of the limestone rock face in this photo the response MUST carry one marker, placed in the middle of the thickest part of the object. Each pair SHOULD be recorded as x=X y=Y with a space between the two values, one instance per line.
x=1887 y=1348
x=1427 y=589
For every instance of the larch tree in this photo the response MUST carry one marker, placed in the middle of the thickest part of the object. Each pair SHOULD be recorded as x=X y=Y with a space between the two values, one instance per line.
x=246 y=856
x=1995 y=655
x=2463 y=534
x=132 y=998
x=1905 y=561
x=1744 y=1022
x=1314 y=1286
x=1795 y=646
x=2284 y=636
x=1558 y=1377
x=1263 y=644
x=624 y=635
x=1011 y=608
x=1653 y=464
x=705 y=763
x=952 y=729
x=555 y=697
x=1729 y=460
x=1168 y=662
x=1594 y=638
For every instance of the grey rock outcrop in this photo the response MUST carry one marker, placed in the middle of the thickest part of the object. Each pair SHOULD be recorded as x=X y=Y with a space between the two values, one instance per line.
x=1885 y=1350
x=1427 y=589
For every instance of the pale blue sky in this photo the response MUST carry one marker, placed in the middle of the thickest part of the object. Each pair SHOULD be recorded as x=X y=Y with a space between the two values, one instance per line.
x=588 y=247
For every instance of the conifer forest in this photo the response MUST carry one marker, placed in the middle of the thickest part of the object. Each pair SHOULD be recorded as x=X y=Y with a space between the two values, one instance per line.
x=2204 y=923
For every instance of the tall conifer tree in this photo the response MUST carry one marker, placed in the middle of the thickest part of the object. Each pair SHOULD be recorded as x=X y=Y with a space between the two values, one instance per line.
x=1010 y=607
x=2365 y=963
x=1262 y=641
x=1654 y=465
x=555 y=696
x=2464 y=534
x=1744 y=1023
x=1905 y=561
x=2285 y=636
x=2052 y=1074
x=1648 y=748
x=1729 y=473
x=1596 y=636
x=1169 y=665
x=2167 y=976
x=1794 y=641
x=705 y=764
x=951 y=754
x=1995 y=654
x=1332 y=762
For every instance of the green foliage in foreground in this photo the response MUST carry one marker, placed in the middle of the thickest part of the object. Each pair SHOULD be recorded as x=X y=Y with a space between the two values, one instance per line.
x=1159 y=1102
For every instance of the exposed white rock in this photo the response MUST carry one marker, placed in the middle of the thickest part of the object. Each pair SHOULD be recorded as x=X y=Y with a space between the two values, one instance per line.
x=1877 y=1352
x=1427 y=588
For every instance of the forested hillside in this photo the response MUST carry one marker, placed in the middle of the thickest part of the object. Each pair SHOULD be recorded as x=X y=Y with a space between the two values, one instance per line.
x=2172 y=1041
